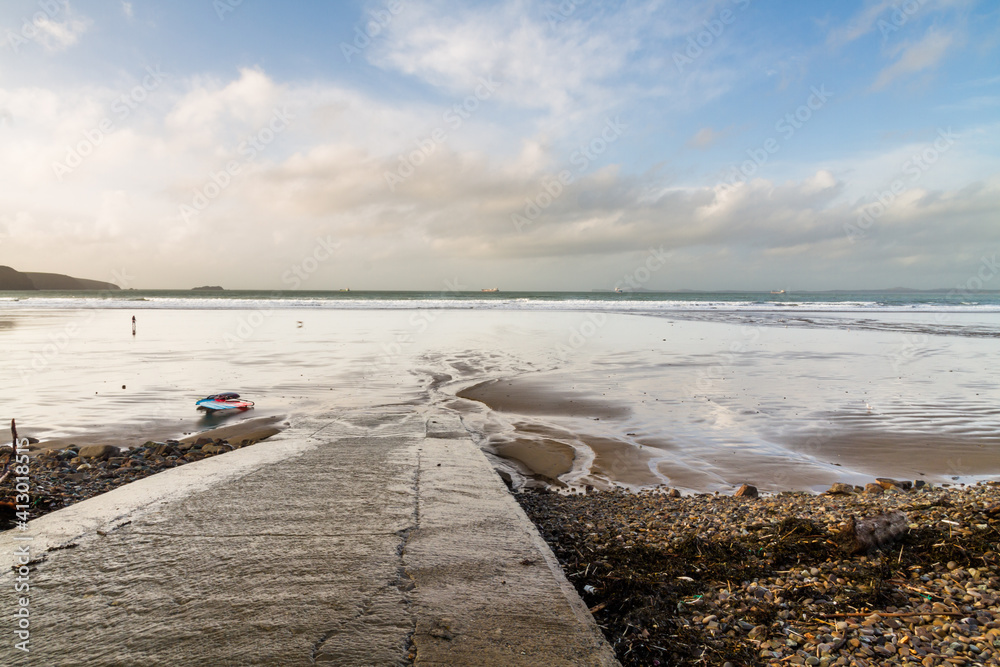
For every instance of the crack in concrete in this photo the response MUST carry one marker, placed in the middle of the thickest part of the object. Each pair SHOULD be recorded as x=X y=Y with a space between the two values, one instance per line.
x=405 y=582
x=316 y=647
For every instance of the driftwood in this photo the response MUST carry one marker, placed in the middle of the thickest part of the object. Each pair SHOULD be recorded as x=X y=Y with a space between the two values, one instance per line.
x=898 y=614
x=865 y=534
x=10 y=457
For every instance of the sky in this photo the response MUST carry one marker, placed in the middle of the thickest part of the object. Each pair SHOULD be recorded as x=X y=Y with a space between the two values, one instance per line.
x=420 y=144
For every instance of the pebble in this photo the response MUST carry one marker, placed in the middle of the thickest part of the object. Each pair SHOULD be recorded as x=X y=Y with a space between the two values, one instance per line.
x=707 y=578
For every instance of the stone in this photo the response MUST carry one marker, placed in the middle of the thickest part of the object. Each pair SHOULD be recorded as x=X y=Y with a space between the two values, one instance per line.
x=97 y=451
x=874 y=489
x=216 y=449
x=746 y=491
x=164 y=449
x=840 y=489
x=673 y=493
x=867 y=533
x=887 y=484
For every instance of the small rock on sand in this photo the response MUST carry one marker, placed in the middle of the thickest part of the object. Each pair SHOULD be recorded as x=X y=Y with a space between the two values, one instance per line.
x=98 y=451
x=746 y=491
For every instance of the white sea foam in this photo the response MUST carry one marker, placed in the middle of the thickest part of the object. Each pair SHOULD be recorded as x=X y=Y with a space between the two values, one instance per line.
x=637 y=306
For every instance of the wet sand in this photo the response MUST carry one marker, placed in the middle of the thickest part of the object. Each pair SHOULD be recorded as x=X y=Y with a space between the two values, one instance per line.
x=813 y=458
x=642 y=401
x=534 y=396
x=246 y=428
x=547 y=460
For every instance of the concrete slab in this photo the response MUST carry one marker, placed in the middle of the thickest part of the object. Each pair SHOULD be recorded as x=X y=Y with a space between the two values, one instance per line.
x=355 y=540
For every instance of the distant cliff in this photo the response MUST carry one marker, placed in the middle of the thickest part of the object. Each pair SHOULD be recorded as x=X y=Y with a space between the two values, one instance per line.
x=23 y=281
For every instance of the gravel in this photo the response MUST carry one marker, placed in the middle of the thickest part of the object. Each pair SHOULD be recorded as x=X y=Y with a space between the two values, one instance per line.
x=710 y=579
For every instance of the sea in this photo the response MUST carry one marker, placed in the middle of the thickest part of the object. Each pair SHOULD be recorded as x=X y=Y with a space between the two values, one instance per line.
x=700 y=391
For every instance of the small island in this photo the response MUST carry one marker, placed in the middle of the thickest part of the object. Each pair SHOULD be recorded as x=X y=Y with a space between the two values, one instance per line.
x=208 y=288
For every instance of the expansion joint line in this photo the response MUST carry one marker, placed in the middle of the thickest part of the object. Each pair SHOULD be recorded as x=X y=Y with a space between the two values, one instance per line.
x=405 y=581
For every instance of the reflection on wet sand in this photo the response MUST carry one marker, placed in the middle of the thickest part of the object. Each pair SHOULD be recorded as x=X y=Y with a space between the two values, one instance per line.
x=647 y=424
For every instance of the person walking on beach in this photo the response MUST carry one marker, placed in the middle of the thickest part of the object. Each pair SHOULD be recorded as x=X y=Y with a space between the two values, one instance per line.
x=133 y=325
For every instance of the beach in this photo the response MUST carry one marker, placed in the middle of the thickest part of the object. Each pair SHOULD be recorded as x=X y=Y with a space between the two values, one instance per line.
x=619 y=432
x=694 y=401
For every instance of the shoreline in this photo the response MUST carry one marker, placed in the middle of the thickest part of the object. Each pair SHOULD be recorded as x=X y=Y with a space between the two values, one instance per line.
x=745 y=580
x=553 y=435
x=248 y=426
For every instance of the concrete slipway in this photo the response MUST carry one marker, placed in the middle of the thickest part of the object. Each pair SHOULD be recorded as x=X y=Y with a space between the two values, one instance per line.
x=373 y=538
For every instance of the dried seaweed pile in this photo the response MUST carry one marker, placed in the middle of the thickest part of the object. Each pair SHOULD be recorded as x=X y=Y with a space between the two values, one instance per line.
x=713 y=579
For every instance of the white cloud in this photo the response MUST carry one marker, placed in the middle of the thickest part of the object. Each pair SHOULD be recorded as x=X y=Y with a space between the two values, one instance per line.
x=209 y=104
x=916 y=57
x=861 y=24
x=706 y=137
x=889 y=16
x=324 y=177
x=127 y=9
x=540 y=66
x=58 y=35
